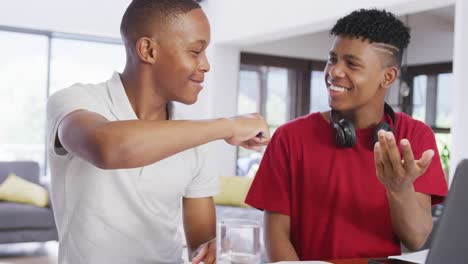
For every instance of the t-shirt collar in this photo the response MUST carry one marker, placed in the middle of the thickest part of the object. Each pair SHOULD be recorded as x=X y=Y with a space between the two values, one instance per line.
x=122 y=106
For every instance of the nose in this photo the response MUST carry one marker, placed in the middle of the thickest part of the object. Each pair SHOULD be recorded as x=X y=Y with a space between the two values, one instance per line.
x=336 y=70
x=204 y=64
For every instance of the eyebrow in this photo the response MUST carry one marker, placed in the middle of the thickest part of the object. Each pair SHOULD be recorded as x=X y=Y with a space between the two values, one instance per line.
x=200 y=41
x=346 y=56
x=352 y=57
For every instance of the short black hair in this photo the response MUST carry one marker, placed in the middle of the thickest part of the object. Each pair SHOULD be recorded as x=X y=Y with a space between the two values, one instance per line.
x=376 y=26
x=143 y=13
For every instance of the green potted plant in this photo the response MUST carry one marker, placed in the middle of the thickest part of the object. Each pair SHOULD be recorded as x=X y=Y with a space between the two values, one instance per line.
x=445 y=158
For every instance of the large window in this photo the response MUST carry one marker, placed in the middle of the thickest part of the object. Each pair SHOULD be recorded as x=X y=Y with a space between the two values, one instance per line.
x=34 y=65
x=23 y=91
x=280 y=89
x=92 y=64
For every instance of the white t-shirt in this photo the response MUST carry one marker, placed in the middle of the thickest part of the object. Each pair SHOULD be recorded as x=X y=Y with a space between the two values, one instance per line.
x=119 y=216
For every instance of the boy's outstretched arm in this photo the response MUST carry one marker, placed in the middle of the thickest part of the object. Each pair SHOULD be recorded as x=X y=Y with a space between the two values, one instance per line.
x=136 y=143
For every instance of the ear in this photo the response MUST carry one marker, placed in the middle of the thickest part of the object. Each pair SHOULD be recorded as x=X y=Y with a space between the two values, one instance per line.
x=390 y=75
x=146 y=49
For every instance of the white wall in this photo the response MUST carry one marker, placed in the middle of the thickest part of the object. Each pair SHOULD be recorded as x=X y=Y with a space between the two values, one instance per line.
x=223 y=83
x=432 y=39
x=89 y=17
x=431 y=42
x=312 y=46
x=250 y=22
x=459 y=147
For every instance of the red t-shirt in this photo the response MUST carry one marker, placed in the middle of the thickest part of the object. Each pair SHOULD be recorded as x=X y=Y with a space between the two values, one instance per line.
x=337 y=205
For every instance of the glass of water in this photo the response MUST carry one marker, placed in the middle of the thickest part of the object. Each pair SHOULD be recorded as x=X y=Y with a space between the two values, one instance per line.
x=238 y=242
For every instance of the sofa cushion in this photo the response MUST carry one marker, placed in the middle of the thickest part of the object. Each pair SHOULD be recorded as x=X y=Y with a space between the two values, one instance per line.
x=232 y=190
x=15 y=215
x=18 y=190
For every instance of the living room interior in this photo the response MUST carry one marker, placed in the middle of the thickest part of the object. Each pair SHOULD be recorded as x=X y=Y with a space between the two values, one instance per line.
x=267 y=56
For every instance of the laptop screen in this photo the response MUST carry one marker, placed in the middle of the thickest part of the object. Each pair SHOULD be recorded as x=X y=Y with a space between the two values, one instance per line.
x=450 y=244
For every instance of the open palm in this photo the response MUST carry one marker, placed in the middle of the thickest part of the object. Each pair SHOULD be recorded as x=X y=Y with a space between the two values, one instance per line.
x=398 y=174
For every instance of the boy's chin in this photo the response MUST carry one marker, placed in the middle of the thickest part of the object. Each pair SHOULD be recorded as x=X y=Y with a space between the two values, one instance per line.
x=188 y=101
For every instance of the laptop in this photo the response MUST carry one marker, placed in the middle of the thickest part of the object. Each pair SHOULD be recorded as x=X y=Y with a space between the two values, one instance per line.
x=450 y=244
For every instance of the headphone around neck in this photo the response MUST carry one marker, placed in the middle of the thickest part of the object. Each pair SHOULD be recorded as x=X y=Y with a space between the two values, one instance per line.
x=345 y=134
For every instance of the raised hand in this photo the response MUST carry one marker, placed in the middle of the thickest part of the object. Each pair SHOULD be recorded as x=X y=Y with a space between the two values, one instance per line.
x=398 y=174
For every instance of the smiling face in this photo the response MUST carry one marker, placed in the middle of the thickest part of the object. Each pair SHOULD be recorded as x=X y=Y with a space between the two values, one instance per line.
x=357 y=74
x=181 y=62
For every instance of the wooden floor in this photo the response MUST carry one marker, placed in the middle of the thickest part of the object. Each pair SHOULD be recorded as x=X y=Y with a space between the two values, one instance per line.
x=29 y=253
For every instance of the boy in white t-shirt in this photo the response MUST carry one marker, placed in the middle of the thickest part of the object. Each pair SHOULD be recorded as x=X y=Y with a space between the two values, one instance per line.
x=124 y=165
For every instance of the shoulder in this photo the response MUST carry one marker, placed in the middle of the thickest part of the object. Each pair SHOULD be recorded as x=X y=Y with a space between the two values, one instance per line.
x=78 y=90
x=409 y=125
x=295 y=132
x=302 y=123
x=79 y=93
x=418 y=133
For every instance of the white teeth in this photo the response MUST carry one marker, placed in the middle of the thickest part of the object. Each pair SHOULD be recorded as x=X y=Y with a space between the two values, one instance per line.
x=337 y=89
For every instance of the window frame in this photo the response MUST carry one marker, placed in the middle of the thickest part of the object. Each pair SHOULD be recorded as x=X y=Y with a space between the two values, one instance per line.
x=299 y=76
x=431 y=70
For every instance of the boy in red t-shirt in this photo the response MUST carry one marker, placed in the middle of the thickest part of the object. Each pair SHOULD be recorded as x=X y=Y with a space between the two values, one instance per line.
x=354 y=181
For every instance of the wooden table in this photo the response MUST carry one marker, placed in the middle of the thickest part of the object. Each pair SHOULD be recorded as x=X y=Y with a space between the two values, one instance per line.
x=349 y=261
x=340 y=261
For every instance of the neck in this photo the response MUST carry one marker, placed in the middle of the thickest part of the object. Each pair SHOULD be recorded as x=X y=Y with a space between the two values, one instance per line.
x=142 y=94
x=363 y=117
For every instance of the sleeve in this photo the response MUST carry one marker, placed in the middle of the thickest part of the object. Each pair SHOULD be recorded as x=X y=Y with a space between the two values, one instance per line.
x=60 y=105
x=433 y=181
x=271 y=187
x=205 y=182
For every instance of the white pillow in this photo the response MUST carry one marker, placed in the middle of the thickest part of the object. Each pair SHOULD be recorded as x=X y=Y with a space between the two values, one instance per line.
x=18 y=190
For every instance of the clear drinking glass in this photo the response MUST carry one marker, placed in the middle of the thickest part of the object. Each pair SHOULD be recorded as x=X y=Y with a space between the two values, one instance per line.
x=238 y=242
